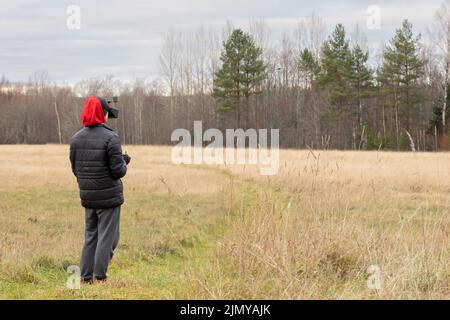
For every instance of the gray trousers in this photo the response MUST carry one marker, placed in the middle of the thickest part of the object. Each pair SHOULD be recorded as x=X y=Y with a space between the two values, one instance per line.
x=101 y=238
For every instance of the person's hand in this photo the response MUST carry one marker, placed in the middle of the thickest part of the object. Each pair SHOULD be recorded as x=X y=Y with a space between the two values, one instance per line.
x=127 y=158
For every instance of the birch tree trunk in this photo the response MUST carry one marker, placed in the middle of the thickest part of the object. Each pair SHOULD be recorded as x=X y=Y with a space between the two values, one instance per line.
x=58 y=121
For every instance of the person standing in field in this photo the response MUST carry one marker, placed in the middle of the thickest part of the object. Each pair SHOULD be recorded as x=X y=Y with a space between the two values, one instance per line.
x=98 y=164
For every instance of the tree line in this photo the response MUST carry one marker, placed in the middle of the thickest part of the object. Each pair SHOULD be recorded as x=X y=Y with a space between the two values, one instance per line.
x=320 y=91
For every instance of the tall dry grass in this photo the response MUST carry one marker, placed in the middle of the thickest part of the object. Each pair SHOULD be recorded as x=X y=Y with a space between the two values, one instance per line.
x=317 y=226
x=167 y=208
x=311 y=231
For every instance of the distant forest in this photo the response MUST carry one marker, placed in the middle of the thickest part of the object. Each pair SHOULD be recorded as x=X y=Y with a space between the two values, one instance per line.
x=323 y=91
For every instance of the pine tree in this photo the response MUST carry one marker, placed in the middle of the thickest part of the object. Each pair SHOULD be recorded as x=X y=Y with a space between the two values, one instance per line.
x=309 y=67
x=361 y=82
x=335 y=78
x=436 y=125
x=402 y=68
x=241 y=73
x=336 y=68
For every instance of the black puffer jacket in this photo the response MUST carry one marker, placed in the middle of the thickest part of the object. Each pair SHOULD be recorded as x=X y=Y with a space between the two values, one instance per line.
x=98 y=164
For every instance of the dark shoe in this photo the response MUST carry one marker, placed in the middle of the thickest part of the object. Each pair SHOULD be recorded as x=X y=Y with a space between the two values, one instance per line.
x=99 y=280
x=86 y=282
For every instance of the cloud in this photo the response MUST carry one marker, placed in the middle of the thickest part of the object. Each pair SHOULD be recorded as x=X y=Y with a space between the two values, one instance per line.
x=124 y=38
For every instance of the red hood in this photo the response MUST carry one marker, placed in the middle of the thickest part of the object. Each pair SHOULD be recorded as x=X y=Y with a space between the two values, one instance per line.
x=92 y=113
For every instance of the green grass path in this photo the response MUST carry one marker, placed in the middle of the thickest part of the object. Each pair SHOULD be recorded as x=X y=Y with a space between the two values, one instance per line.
x=177 y=273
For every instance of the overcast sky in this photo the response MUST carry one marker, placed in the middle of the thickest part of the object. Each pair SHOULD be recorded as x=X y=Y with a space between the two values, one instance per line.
x=124 y=38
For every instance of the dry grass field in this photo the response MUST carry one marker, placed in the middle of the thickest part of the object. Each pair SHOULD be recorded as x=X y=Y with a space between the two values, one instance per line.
x=199 y=231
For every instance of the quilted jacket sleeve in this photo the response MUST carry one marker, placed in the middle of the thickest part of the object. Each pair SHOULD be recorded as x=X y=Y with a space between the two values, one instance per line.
x=116 y=162
x=72 y=158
